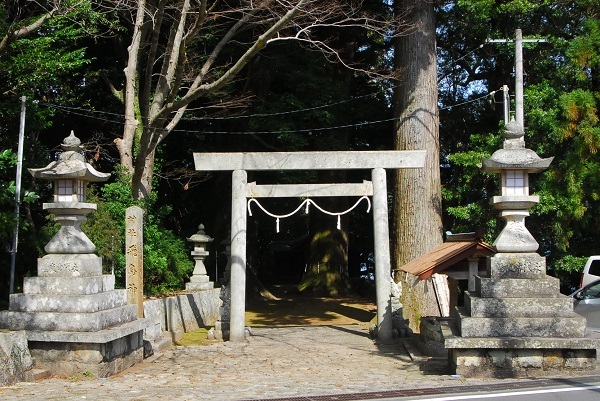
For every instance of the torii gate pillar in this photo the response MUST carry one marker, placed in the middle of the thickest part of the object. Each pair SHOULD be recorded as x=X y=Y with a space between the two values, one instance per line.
x=381 y=235
x=237 y=320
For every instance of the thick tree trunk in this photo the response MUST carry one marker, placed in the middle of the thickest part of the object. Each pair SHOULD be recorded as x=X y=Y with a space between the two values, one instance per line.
x=417 y=195
x=327 y=266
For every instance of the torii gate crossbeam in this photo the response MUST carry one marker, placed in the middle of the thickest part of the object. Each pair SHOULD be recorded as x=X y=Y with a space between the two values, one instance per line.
x=376 y=161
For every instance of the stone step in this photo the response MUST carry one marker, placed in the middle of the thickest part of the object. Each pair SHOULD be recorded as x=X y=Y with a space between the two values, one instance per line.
x=68 y=303
x=560 y=327
x=155 y=346
x=546 y=287
x=518 y=307
x=68 y=285
x=37 y=374
x=78 y=322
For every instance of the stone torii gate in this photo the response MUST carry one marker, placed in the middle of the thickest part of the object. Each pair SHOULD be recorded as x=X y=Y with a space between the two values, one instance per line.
x=376 y=161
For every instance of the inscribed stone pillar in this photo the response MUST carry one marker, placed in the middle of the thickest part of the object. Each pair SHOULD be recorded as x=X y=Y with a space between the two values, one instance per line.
x=134 y=257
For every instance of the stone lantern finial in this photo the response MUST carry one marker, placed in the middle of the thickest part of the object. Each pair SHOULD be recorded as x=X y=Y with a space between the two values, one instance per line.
x=71 y=143
x=513 y=135
x=513 y=130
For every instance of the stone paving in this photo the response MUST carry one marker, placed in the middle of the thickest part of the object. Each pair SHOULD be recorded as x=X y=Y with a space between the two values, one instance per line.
x=276 y=362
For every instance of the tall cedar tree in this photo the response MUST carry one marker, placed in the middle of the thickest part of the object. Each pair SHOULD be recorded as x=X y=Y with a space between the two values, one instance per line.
x=417 y=195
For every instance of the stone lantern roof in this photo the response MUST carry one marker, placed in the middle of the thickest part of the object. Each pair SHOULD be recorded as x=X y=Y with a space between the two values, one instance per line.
x=70 y=164
x=200 y=236
x=514 y=155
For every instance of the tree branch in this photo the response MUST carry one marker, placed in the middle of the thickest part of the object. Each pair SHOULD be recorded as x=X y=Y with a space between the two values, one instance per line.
x=12 y=36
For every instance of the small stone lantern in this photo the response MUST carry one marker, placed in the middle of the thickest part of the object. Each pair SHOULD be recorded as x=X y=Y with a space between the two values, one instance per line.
x=70 y=175
x=514 y=163
x=199 y=279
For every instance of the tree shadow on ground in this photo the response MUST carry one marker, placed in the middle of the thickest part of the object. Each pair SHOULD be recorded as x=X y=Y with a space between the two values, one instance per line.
x=293 y=309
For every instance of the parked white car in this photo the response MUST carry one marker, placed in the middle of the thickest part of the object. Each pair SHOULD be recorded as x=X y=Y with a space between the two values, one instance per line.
x=591 y=270
x=586 y=302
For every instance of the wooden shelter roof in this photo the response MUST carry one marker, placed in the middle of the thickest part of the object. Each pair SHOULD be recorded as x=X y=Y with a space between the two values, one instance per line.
x=445 y=256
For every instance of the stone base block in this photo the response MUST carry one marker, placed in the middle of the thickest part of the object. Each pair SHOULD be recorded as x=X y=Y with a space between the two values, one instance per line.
x=520 y=357
x=561 y=306
x=199 y=286
x=15 y=359
x=511 y=363
x=68 y=285
x=75 y=322
x=220 y=332
x=157 y=345
x=516 y=265
x=70 y=265
x=97 y=359
x=88 y=303
x=545 y=287
x=560 y=327
x=198 y=278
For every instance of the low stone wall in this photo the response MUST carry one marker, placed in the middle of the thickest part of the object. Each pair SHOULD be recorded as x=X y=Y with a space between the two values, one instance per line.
x=15 y=359
x=182 y=313
x=176 y=314
x=510 y=363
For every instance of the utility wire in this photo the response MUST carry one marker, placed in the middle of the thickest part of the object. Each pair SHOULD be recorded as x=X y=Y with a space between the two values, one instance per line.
x=90 y=113
x=81 y=112
x=257 y=115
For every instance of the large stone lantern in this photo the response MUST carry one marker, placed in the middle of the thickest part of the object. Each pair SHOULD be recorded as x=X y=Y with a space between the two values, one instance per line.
x=70 y=175
x=514 y=321
x=514 y=163
x=74 y=318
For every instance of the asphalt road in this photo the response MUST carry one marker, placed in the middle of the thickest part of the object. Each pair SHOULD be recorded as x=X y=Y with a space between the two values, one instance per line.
x=572 y=392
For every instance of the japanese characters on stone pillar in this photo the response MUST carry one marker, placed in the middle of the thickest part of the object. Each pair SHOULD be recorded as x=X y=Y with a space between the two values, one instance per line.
x=134 y=257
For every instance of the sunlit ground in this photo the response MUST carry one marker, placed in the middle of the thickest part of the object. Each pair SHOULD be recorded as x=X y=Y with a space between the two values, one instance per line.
x=293 y=309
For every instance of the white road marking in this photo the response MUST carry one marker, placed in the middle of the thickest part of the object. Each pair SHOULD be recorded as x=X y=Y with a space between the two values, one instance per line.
x=514 y=393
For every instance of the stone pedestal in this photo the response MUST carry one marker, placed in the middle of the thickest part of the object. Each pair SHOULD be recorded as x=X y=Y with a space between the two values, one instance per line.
x=74 y=319
x=517 y=324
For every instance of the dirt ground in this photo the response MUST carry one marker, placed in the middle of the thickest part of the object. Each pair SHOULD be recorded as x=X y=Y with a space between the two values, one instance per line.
x=290 y=308
x=294 y=309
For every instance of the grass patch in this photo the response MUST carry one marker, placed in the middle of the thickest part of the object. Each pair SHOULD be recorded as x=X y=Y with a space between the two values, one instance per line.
x=194 y=338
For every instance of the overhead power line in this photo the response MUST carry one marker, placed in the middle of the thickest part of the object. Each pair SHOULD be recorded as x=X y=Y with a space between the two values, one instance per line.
x=89 y=113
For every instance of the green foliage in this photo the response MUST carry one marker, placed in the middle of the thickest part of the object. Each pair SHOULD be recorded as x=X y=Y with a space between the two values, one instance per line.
x=8 y=160
x=571 y=264
x=568 y=269
x=166 y=261
x=7 y=195
x=467 y=200
x=50 y=64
